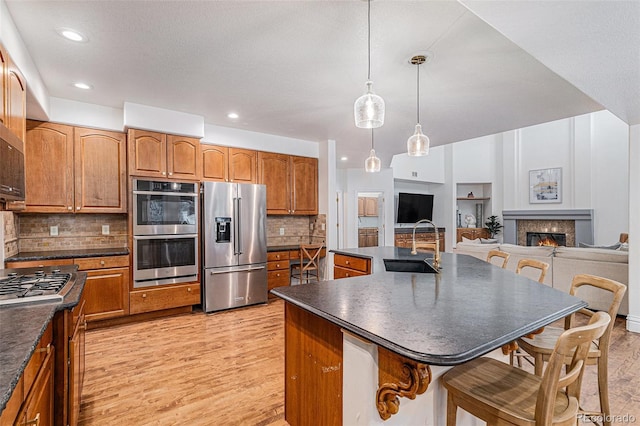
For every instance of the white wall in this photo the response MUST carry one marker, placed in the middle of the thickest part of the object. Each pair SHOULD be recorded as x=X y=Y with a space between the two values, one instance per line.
x=420 y=169
x=228 y=136
x=357 y=180
x=37 y=94
x=633 y=319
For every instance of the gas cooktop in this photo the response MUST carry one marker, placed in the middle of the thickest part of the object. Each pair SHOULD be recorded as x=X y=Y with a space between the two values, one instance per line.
x=24 y=285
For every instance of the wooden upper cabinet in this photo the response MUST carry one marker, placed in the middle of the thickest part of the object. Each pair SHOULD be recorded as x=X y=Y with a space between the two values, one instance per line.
x=183 y=161
x=273 y=171
x=292 y=183
x=49 y=168
x=74 y=169
x=147 y=153
x=153 y=154
x=243 y=165
x=100 y=171
x=304 y=181
x=370 y=206
x=16 y=100
x=3 y=84
x=215 y=162
x=223 y=164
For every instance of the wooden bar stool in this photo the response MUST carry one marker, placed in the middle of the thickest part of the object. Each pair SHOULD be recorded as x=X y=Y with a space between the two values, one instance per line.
x=501 y=394
x=308 y=264
x=498 y=253
x=540 y=346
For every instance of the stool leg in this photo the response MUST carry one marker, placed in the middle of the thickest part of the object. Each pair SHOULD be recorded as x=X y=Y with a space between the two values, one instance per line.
x=539 y=365
x=452 y=410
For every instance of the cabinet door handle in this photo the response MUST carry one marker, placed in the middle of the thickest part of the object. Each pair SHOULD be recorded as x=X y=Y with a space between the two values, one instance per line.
x=102 y=262
x=47 y=349
x=189 y=289
x=144 y=295
x=346 y=262
x=78 y=208
x=35 y=421
x=170 y=173
x=69 y=208
x=164 y=173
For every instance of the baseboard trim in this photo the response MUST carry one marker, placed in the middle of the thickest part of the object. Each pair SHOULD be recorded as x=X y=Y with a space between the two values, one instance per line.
x=633 y=323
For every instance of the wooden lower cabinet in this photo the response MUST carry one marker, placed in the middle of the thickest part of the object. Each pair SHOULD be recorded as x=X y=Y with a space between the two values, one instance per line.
x=106 y=290
x=166 y=297
x=278 y=272
x=350 y=266
x=32 y=399
x=472 y=233
x=405 y=239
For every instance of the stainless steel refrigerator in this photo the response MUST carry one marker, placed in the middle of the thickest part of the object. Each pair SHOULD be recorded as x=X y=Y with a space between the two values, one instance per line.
x=234 y=239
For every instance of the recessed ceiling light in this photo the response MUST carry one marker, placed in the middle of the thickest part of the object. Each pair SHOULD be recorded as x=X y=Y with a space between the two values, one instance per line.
x=83 y=86
x=72 y=35
x=344 y=158
x=232 y=115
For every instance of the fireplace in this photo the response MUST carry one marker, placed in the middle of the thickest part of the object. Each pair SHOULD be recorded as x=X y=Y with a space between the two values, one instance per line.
x=552 y=239
x=575 y=224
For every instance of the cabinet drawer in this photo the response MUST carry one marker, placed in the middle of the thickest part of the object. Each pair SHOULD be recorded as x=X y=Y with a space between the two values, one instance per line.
x=357 y=263
x=155 y=299
x=284 y=264
x=38 y=263
x=277 y=279
x=277 y=255
x=102 y=262
x=339 y=272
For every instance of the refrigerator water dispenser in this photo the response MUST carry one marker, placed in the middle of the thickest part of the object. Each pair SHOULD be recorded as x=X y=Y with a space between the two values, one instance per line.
x=223 y=229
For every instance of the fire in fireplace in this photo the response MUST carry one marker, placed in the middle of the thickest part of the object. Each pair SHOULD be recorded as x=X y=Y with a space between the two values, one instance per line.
x=546 y=239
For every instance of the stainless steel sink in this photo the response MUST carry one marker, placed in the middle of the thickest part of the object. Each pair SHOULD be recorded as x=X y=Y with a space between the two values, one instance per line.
x=409 y=265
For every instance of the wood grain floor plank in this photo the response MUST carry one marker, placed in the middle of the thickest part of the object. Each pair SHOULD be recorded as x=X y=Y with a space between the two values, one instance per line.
x=228 y=369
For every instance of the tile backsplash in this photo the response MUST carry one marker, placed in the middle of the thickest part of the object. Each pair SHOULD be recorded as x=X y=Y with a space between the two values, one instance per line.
x=74 y=231
x=9 y=222
x=295 y=229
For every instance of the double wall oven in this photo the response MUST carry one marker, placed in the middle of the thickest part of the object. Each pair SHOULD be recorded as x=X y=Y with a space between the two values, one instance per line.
x=165 y=232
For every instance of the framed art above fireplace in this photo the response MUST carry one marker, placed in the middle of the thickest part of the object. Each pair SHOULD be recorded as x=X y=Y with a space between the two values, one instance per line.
x=545 y=186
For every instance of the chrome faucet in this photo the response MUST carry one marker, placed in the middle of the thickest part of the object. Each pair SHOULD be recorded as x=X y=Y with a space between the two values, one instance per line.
x=436 y=255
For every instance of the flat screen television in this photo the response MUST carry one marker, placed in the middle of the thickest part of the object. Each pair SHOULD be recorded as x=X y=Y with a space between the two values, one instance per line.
x=413 y=207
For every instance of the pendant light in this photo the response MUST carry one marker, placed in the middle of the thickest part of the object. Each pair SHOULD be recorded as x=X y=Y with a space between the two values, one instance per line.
x=369 y=108
x=418 y=144
x=372 y=163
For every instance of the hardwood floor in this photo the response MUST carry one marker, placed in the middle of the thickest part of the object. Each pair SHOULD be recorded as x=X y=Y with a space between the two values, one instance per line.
x=196 y=369
x=228 y=369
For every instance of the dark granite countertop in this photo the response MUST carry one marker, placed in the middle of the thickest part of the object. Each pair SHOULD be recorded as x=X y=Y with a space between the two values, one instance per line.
x=67 y=254
x=467 y=310
x=21 y=327
x=283 y=247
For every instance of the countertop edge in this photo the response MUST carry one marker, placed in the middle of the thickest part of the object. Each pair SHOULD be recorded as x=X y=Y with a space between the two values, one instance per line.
x=71 y=300
x=425 y=358
x=66 y=254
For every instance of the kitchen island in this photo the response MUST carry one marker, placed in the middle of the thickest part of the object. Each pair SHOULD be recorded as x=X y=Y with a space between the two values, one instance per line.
x=354 y=346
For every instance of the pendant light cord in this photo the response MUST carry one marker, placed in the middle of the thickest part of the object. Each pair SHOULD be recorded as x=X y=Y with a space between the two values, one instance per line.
x=369 y=40
x=418 y=94
x=371 y=138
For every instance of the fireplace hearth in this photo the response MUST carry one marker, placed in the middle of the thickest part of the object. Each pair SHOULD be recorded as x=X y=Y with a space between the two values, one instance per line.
x=576 y=224
x=551 y=239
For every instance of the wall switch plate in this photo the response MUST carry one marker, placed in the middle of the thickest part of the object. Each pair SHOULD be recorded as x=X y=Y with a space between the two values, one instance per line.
x=53 y=231
x=322 y=226
x=281 y=231
x=105 y=229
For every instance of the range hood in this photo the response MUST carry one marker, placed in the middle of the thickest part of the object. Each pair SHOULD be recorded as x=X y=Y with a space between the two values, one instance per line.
x=11 y=166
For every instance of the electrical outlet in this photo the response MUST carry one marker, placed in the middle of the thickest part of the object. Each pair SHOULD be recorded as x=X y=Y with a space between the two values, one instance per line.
x=281 y=231
x=322 y=226
x=53 y=231
x=105 y=229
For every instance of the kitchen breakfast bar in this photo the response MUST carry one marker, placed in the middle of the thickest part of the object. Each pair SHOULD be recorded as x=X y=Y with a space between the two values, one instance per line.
x=371 y=349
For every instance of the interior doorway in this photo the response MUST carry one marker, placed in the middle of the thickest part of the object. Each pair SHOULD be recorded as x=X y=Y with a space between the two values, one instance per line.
x=370 y=219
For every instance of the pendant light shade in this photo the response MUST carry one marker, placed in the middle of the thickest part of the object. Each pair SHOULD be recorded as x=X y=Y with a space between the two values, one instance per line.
x=368 y=110
x=418 y=143
x=372 y=163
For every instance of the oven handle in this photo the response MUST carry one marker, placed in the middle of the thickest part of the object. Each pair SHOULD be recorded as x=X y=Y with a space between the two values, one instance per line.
x=164 y=237
x=180 y=194
x=255 y=268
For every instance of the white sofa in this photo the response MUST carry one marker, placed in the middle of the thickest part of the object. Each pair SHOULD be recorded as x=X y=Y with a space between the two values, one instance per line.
x=564 y=264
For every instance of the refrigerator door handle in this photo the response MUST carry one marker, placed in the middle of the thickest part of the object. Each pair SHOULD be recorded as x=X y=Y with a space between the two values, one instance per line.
x=238 y=216
x=256 y=268
x=234 y=215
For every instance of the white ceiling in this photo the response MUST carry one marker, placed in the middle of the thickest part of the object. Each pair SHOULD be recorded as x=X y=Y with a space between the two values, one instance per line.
x=294 y=68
